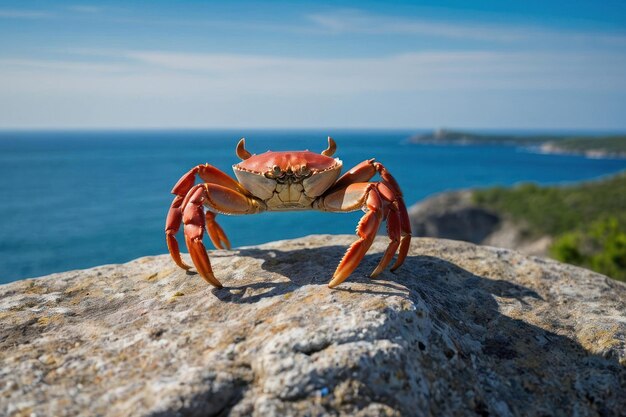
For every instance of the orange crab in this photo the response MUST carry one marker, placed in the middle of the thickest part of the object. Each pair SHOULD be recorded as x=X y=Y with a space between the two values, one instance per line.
x=283 y=181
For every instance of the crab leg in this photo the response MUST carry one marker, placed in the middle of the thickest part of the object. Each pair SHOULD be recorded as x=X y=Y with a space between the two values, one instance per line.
x=397 y=217
x=215 y=231
x=405 y=231
x=405 y=223
x=217 y=198
x=372 y=199
x=172 y=224
x=393 y=231
x=209 y=174
x=362 y=172
x=194 y=219
x=365 y=171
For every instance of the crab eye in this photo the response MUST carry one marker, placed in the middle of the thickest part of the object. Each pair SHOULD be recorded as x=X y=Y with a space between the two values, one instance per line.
x=276 y=169
x=304 y=170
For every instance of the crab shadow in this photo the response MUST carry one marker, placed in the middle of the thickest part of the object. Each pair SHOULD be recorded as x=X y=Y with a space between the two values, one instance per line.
x=533 y=364
x=301 y=267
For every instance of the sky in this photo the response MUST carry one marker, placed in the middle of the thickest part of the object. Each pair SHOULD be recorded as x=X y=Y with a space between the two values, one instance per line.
x=353 y=64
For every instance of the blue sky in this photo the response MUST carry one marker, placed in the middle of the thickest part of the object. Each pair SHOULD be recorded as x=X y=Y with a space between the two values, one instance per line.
x=152 y=64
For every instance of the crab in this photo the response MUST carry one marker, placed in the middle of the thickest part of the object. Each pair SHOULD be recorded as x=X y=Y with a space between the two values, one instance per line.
x=286 y=181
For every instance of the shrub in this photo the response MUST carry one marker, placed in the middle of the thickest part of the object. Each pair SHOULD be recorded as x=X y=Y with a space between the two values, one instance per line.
x=601 y=247
x=587 y=220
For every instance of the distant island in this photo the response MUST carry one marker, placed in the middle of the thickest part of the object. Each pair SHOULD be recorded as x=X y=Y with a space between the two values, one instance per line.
x=590 y=146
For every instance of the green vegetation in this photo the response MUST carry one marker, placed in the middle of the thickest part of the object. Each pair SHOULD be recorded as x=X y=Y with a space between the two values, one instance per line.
x=457 y=137
x=601 y=247
x=587 y=221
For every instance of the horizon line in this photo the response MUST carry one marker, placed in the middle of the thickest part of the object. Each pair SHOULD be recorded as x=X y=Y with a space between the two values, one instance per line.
x=304 y=128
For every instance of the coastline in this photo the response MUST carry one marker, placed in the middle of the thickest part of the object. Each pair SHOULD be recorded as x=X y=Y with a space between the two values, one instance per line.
x=555 y=149
x=581 y=223
x=594 y=147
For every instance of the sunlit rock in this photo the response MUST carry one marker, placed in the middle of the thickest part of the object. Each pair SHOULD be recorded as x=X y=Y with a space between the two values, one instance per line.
x=458 y=330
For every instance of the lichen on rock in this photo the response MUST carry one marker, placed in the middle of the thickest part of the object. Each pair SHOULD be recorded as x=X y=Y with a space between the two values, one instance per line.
x=458 y=330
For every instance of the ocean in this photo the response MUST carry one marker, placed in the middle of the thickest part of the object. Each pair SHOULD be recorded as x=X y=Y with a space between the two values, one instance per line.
x=77 y=199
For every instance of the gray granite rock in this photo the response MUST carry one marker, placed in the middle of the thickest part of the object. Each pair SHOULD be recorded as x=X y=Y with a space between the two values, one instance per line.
x=453 y=215
x=459 y=330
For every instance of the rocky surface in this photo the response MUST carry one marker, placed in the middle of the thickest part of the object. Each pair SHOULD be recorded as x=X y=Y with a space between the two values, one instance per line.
x=453 y=215
x=458 y=330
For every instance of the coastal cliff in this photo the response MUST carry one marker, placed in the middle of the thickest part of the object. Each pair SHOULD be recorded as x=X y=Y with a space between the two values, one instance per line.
x=583 y=224
x=460 y=329
x=455 y=215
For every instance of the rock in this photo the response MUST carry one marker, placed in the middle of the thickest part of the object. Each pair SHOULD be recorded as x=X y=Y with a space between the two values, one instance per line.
x=453 y=215
x=458 y=330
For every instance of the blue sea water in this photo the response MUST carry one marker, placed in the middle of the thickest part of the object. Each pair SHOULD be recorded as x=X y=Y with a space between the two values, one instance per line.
x=75 y=199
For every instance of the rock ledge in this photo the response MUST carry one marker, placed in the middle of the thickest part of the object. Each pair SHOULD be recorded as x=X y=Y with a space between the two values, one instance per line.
x=459 y=330
x=453 y=215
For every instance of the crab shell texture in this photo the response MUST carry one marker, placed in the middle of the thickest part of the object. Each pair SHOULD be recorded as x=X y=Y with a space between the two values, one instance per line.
x=288 y=180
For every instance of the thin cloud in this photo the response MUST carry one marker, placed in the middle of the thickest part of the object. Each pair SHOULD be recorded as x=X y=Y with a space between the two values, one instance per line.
x=24 y=14
x=355 y=22
x=85 y=9
x=60 y=65
x=171 y=74
x=416 y=71
x=481 y=73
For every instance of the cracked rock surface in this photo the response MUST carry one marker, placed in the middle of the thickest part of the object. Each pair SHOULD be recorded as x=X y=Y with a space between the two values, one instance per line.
x=458 y=330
